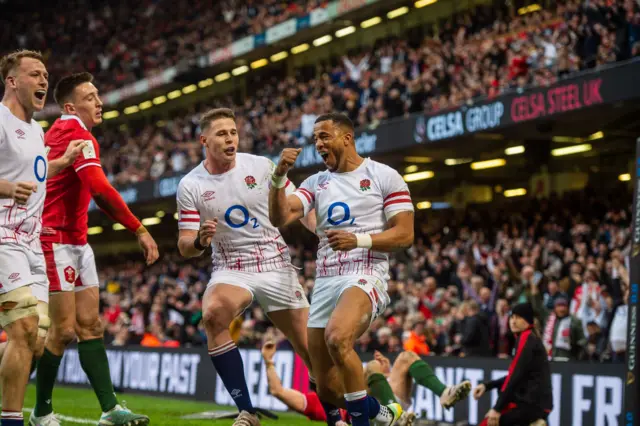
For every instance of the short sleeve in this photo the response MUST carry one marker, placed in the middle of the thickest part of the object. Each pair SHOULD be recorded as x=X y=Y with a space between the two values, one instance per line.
x=90 y=155
x=188 y=214
x=395 y=193
x=307 y=193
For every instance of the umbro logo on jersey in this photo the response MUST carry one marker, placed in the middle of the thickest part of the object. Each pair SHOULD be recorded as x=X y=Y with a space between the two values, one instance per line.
x=20 y=134
x=323 y=186
x=14 y=277
x=208 y=196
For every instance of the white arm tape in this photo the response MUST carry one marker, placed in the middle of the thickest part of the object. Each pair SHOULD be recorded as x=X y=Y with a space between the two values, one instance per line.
x=278 y=181
x=364 y=241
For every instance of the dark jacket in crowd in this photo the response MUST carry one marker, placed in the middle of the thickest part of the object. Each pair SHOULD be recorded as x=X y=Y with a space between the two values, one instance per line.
x=475 y=335
x=528 y=382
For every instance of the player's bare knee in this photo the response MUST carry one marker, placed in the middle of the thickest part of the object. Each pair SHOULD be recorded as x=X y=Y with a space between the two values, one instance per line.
x=372 y=367
x=62 y=334
x=216 y=318
x=339 y=343
x=406 y=358
x=24 y=333
x=89 y=328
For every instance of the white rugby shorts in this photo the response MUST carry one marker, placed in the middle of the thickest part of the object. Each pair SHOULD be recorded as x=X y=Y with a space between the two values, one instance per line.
x=70 y=267
x=20 y=266
x=327 y=292
x=273 y=290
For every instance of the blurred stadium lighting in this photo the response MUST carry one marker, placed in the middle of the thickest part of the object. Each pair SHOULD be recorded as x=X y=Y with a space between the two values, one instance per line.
x=412 y=177
x=488 y=164
x=575 y=149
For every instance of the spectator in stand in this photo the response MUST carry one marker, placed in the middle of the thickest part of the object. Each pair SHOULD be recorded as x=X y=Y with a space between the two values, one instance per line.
x=618 y=331
x=475 y=331
x=477 y=54
x=417 y=340
x=544 y=257
x=563 y=334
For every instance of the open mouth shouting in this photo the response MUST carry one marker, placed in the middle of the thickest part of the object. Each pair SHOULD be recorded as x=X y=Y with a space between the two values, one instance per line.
x=40 y=95
x=230 y=151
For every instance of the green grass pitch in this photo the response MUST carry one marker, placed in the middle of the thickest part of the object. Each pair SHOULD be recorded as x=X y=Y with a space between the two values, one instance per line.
x=80 y=406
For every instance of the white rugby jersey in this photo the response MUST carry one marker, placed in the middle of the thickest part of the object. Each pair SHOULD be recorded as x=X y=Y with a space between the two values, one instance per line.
x=359 y=202
x=245 y=239
x=23 y=158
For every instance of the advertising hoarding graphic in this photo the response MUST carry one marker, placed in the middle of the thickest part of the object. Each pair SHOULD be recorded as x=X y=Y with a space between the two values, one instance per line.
x=632 y=385
x=583 y=394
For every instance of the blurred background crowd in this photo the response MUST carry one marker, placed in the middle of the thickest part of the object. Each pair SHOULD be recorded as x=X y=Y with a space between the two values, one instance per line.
x=468 y=56
x=121 y=43
x=450 y=293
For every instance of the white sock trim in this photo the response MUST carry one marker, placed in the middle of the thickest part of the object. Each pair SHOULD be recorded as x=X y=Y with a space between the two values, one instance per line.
x=222 y=349
x=17 y=415
x=354 y=396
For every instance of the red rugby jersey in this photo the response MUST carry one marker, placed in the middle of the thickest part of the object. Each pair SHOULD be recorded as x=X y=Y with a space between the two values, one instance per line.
x=65 y=218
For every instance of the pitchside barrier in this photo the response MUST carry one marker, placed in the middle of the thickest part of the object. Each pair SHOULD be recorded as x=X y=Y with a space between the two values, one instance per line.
x=583 y=394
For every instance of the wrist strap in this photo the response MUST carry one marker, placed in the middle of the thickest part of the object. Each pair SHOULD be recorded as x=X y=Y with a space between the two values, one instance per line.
x=278 y=181
x=364 y=241
x=141 y=230
x=197 y=244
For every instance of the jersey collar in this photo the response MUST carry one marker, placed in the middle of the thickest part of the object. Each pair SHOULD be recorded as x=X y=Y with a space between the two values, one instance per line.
x=73 y=117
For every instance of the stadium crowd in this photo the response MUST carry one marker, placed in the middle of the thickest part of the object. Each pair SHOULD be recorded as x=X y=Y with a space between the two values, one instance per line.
x=471 y=55
x=450 y=293
x=121 y=43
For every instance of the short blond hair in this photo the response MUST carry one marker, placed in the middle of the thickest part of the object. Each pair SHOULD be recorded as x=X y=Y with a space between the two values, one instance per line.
x=12 y=60
x=213 y=115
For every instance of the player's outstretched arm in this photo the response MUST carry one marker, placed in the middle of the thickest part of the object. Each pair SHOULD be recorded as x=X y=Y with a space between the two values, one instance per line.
x=292 y=398
x=284 y=209
x=110 y=202
x=73 y=150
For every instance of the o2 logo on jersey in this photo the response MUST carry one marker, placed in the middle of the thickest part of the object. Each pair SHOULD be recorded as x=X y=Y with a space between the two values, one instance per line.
x=245 y=217
x=339 y=213
x=40 y=168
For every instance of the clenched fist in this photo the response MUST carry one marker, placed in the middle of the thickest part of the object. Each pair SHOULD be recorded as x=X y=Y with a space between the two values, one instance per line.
x=341 y=240
x=287 y=160
x=479 y=391
x=207 y=231
x=21 y=191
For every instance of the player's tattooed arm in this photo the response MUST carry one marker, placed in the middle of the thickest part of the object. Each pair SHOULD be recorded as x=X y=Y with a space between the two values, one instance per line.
x=73 y=150
x=399 y=235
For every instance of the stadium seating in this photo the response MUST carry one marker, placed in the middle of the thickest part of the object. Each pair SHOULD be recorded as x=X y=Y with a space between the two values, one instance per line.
x=121 y=44
x=485 y=257
x=474 y=55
